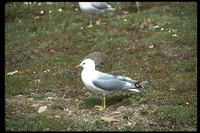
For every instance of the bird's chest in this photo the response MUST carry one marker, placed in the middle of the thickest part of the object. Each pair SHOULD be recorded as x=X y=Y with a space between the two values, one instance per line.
x=87 y=78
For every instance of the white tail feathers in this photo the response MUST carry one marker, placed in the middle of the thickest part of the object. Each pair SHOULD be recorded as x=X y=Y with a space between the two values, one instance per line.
x=136 y=90
x=111 y=9
x=143 y=84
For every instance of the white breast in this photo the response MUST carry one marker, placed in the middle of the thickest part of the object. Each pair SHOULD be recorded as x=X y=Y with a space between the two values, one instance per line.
x=88 y=8
x=87 y=77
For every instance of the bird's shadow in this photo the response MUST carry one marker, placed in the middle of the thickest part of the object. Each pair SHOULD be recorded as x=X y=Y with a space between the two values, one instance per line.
x=114 y=100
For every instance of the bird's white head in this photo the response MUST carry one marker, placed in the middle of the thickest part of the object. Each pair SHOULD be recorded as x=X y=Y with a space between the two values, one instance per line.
x=87 y=64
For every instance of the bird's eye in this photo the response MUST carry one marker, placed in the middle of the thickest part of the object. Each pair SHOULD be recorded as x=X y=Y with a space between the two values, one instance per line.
x=83 y=63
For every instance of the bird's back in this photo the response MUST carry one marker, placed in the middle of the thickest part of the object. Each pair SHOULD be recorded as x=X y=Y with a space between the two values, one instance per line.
x=94 y=7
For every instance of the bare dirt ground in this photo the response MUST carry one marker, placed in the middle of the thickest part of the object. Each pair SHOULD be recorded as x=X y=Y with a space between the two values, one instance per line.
x=118 y=114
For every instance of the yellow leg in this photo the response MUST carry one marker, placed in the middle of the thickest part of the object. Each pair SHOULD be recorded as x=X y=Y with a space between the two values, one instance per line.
x=89 y=26
x=138 y=10
x=98 y=22
x=103 y=105
x=137 y=4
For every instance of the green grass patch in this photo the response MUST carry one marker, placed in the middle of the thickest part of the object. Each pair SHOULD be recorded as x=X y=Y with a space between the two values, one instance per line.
x=35 y=122
x=180 y=113
x=36 y=96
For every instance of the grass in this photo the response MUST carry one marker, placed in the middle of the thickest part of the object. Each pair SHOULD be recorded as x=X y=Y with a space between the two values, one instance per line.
x=36 y=96
x=182 y=113
x=44 y=41
x=36 y=123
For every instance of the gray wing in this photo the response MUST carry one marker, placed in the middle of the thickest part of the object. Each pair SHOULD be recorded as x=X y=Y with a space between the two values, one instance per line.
x=123 y=78
x=135 y=82
x=100 y=5
x=108 y=82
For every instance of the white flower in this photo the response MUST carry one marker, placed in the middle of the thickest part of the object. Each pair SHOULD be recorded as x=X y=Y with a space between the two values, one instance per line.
x=11 y=73
x=151 y=46
x=36 y=17
x=41 y=12
x=60 y=10
x=156 y=26
x=175 y=35
x=25 y=3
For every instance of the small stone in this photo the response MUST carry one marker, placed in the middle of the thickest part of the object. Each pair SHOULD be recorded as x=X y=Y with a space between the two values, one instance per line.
x=116 y=112
x=35 y=105
x=56 y=116
x=19 y=95
x=108 y=119
x=42 y=109
x=121 y=108
x=30 y=99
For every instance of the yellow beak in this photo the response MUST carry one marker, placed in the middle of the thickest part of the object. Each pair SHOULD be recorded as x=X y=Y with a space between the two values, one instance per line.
x=78 y=66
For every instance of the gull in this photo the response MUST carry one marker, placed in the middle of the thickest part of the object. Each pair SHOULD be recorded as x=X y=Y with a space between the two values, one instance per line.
x=138 y=6
x=106 y=83
x=93 y=8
